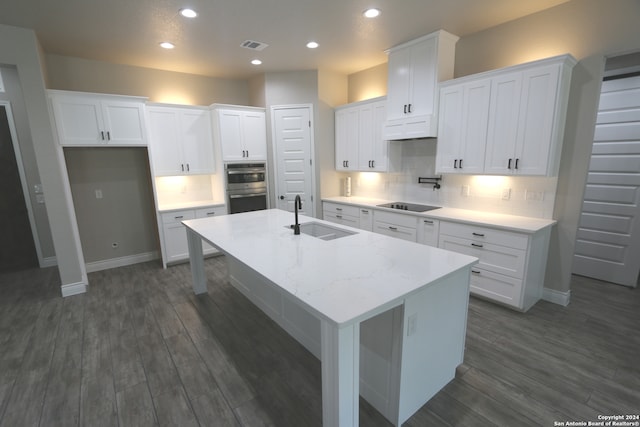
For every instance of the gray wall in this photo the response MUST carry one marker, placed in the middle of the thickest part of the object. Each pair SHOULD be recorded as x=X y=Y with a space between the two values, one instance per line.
x=13 y=94
x=126 y=212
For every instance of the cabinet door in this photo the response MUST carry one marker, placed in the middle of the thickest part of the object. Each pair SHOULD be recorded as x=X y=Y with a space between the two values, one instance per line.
x=398 y=83
x=537 y=113
x=365 y=137
x=164 y=129
x=379 y=146
x=78 y=120
x=503 y=123
x=254 y=135
x=124 y=122
x=475 y=114
x=197 y=141
x=366 y=219
x=210 y=212
x=449 y=129
x=230 y=133
x=175 y=240
x=428 y=231
x=422 y=84
x=347 y=138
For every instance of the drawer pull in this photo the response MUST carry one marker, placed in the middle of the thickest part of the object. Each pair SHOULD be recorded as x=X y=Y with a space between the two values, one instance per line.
x=478 y=234
x=393 y=228
x=210 y=213
x=475 y=271
x=339 y=216
x=477 y=245
x=364 y=211
x=338 y=209
x=426 y=221
x=178 y=217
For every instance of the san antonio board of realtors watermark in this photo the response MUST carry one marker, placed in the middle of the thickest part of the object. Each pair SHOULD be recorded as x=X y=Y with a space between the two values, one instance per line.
x=627 y=420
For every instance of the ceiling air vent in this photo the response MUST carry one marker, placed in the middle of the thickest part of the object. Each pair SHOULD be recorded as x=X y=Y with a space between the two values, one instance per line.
x=253 y=45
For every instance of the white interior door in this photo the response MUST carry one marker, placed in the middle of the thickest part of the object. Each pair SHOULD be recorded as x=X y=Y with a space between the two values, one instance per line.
x=293 y=157
x=608 y=238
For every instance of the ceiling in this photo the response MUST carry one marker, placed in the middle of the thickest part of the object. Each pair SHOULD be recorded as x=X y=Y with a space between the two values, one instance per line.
x=129 y=31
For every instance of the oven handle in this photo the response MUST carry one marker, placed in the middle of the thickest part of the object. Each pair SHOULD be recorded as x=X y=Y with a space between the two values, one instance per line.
x=245 y=171
x=238 y=196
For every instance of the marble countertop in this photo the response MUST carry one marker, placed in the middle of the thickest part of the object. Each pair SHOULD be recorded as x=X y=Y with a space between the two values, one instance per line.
x=506 y=222
x=343 y=280
x=168 y=207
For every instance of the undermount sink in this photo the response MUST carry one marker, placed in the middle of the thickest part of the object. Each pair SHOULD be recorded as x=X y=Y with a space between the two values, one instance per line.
x=323 y=231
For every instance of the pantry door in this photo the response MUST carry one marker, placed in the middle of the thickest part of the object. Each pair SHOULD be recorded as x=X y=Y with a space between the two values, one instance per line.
x=608 y=238
x=293 y=152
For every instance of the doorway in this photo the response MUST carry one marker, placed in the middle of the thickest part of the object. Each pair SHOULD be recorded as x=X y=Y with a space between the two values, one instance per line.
x=17 y=247
x=293 y=152
x=608 y=238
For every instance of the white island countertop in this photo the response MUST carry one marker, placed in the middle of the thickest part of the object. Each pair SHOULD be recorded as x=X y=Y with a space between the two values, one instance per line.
x=341 y=281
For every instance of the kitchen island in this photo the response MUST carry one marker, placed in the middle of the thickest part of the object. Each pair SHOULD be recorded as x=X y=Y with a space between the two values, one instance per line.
x=410 y=300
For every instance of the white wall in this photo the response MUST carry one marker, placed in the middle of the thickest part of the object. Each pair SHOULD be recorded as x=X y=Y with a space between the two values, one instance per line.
x=20 y=47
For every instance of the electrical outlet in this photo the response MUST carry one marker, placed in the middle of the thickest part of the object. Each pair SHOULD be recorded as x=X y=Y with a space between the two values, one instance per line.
x=465 y=191
x=98 y=194
x=506 y=194
x=534 y=195
x=37 y=188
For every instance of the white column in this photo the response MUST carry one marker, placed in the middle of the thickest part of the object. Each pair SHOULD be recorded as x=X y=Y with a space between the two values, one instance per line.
x=196 y=258
x=340 y=374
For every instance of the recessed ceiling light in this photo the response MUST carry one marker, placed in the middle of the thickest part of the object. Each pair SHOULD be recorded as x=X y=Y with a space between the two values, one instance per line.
x=256 y=62
x=371 y=13
x=312 y=45
x=188 y=13
x=167 y=45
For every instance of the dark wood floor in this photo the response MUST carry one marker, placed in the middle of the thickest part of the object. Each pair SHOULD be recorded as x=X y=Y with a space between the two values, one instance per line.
x=140 y=349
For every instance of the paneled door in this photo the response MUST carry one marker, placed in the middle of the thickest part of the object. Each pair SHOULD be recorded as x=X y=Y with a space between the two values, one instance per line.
x=608 y=238
x=292 y=142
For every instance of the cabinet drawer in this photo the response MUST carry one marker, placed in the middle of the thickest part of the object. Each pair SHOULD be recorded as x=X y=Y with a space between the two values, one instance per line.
x=396 y=219
x=428 y=231
x=496 y=258
x=211 y=211
x=485 y=235
x=497 y=287
x=177 y=216
x=337 y=208
x=338 y=218
x=394 y=230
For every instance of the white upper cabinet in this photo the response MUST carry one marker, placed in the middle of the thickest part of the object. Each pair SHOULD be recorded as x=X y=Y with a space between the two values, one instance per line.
x=359 y=143
x=415 y=68
x=181 y=140
x=241 y=132
x=86 y=119
x=464 y=110
x=525 y=108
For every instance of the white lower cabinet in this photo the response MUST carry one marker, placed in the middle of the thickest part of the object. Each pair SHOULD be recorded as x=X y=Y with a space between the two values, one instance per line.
x=174 y=235
x=428 y=231
x=366 y=219
x=396 y=225
x=511 y=265
x=341 y=214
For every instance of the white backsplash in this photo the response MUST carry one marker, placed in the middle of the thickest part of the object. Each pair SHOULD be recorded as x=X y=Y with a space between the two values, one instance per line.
x=187 y=189
x=485 y=193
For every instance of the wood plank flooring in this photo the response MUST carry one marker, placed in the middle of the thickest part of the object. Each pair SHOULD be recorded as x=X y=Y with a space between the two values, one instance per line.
x=140 y=349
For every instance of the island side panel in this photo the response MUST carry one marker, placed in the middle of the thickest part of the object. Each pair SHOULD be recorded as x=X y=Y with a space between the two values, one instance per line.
x=435 y=325
x=196 y=258
x=340 y=350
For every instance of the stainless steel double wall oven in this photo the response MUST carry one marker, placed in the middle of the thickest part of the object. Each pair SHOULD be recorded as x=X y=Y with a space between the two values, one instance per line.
x=246 y=186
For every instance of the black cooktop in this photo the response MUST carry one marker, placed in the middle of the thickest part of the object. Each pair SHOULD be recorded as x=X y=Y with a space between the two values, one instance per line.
x=413 y=207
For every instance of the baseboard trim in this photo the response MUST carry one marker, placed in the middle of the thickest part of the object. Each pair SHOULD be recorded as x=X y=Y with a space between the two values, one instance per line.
x=51 y=261
x=73 y=289
x=557 y=297
x=121 y=261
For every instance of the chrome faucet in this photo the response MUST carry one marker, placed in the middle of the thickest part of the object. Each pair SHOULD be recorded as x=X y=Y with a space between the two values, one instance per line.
x=297 y=204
